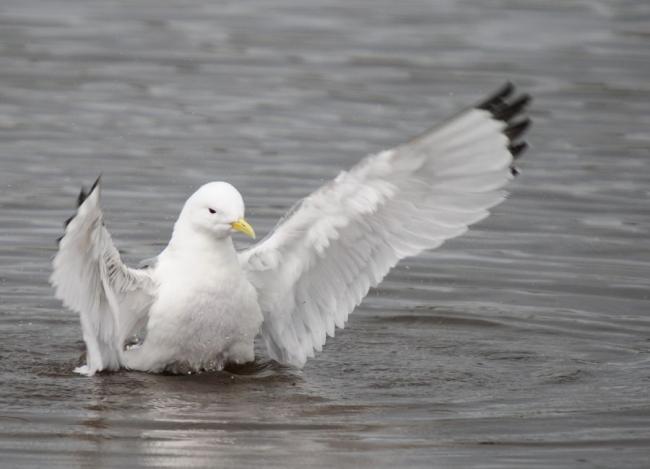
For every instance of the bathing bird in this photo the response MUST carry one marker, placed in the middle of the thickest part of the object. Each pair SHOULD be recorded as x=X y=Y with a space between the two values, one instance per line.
x=200 y=304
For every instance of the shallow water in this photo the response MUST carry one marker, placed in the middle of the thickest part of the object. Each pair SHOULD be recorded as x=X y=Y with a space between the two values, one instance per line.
x=525 y=343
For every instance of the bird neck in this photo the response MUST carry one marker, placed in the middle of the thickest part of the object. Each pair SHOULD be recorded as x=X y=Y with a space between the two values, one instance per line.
x=200 y=246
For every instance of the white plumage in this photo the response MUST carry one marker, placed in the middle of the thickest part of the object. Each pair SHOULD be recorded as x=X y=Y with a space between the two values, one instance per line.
x=201 y=304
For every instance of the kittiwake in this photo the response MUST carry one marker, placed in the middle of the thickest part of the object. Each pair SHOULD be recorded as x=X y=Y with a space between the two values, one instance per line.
x=201 y=303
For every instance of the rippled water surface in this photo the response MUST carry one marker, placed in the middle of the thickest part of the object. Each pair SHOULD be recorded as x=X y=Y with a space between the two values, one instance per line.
x=525 y=343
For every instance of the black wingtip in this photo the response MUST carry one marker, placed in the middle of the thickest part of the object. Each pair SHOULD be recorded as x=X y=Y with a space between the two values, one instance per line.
x=516 y=129
x=508 y=111
x=516 y=149
x=501 y=106
x=83 y=194
x=497 y=97
x=95 y=184
x=506 y=106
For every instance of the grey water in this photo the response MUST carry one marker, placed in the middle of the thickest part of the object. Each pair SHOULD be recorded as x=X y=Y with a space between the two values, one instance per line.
x=525 y=343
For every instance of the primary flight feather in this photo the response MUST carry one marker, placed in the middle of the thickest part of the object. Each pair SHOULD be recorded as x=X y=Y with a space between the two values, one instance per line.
x=200 y=304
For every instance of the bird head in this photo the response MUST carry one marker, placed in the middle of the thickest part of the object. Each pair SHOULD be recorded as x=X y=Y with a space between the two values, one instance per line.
x=218 y=209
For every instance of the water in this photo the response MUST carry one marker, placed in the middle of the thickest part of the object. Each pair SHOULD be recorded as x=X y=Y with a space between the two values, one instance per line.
x=525 y=343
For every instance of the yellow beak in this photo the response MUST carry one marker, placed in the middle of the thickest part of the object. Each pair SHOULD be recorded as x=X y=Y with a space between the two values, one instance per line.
x=243 y=226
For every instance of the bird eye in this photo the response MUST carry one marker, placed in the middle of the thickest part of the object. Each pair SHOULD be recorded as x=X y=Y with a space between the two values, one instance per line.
x=212 y=210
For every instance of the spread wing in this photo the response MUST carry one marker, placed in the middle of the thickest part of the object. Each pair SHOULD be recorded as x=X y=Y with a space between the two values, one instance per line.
x=90 y=278
x=324 y=256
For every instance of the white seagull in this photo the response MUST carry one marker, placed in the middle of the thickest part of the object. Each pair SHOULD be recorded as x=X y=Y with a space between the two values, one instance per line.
x=201 y=303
